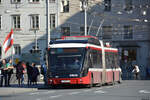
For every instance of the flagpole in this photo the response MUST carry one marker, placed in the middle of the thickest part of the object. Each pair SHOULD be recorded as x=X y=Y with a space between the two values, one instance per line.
x=12 y=56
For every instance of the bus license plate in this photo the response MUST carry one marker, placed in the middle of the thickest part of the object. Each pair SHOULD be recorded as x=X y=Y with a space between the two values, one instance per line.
x=65 y=81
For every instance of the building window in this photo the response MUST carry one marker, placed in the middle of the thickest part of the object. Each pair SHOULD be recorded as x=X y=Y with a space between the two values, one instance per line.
x=0 y=22
x=16 y=1
x=34 y=1
x=128 y=32
x=128 y=54
x=107 y=32
x=82 y=30
x=52 y=21
x=65 y=6
x=128 y=5
x=35 y=21
x=17 y=49
x=65 y=31
x=107 y=4
x=51 y=1
x=16 y=21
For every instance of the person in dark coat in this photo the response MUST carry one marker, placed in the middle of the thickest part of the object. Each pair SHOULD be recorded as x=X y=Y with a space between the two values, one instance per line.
x=4 y=73
x=19 y=73
x=29 y=73
x=35 y=73
x=10 y=70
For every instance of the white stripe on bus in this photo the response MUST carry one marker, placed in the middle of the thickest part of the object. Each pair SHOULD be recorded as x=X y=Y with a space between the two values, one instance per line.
x=71 y=45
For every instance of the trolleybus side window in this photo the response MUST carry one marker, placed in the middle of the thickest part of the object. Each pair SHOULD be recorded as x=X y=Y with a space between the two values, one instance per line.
x=99 y=59
x=116 y=61
x=96 y=58
x=87 y=63
x=109 y=60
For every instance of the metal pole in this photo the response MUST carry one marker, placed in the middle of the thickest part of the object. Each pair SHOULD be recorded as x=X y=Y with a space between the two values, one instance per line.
x=47 y=24
x=85 y=15
x=35 y=40
x=12 y=54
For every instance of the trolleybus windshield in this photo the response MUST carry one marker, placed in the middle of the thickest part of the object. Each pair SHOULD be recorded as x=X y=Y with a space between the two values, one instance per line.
x=66 y=58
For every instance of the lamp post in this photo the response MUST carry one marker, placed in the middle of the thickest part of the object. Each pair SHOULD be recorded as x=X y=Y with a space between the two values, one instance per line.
x=35 y=39
x=85 y=4
x=47 y=24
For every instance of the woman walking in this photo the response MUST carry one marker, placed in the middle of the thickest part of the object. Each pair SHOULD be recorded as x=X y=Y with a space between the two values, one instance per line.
x=35 y=73
x=19 y=74
x=29 y=73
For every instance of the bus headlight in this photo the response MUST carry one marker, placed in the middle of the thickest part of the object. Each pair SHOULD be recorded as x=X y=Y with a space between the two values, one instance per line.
x=51 y=80
x=73 y=75
x=56 y=76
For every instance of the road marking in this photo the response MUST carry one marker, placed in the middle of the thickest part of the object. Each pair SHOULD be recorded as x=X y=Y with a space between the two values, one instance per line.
x=99 y=88
x=100 y=91
x=38 y=99
x=110 y=87
x=35 y=93
x=56 y=96
x=144 y=91
x=87 y=90
x=72 y=93
x=48 y=92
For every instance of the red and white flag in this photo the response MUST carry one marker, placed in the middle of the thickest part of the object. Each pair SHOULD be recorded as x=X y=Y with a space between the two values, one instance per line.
x=8 y=41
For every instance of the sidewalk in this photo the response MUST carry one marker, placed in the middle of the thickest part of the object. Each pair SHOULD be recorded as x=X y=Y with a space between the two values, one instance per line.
x=8 y=91
x=15 y=89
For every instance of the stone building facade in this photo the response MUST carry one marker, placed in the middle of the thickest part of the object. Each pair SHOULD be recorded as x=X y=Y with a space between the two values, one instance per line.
x=123 y=23
x=27 y=18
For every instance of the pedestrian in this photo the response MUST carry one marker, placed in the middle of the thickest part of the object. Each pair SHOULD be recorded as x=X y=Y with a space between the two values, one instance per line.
x=1 y=74
x=136 y=72
x=19 y=73
x=24 y=71
x=35 y=73
x=29 y=73
x=4 y=73
x=44 y=73
x=10 y=70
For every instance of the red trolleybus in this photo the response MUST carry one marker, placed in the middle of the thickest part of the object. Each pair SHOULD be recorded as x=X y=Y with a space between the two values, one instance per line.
x=82 y=60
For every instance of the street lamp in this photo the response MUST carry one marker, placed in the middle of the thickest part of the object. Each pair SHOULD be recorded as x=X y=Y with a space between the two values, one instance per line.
x=35 y=39
x=47 y=24
x=84 y=6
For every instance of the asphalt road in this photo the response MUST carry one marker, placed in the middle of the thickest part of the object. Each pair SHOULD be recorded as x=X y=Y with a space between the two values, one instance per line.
x=128 y=90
